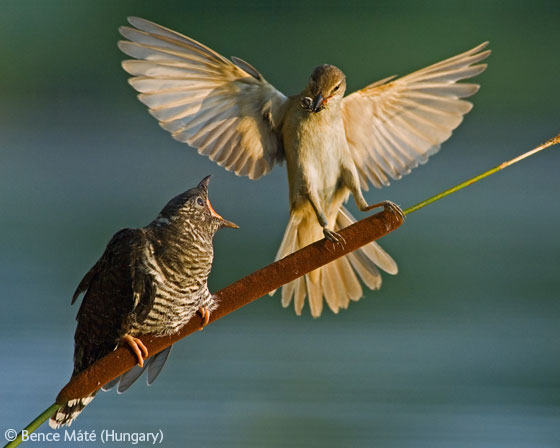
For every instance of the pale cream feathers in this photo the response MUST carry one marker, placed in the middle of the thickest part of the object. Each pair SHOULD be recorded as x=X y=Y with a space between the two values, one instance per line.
x=229 y=112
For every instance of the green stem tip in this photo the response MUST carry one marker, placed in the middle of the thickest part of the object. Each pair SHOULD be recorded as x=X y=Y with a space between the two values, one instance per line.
x=34 y=424
x=501 y=166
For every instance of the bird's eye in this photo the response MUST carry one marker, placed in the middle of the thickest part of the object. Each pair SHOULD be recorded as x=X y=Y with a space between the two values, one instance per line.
x=200 y=202
x=336 y=87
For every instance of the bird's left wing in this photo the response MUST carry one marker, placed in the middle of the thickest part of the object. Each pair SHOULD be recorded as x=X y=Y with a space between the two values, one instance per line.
x=224 y=108
x=392 y=126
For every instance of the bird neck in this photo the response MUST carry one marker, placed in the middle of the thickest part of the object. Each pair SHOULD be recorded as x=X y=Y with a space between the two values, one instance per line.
x=181 y=246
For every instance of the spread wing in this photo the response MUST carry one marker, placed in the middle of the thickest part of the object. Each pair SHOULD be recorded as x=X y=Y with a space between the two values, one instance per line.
x=116 y=290
x=224 y=109
x=392 y=126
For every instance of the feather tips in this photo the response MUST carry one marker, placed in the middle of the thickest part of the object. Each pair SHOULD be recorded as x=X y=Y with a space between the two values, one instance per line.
x=336 y=282
x=391 y=127
x=195 y=94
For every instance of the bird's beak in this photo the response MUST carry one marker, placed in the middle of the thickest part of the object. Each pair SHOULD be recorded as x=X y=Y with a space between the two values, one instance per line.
x=204 y=182
x=317 y=104
x=226 y=223
x=223 y=222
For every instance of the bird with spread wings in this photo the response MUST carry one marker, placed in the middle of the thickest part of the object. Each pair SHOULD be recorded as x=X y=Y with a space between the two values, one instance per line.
x=333 y=144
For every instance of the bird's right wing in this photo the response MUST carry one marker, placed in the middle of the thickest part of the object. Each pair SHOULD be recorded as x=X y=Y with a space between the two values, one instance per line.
x=225 y=109
x=116 y=290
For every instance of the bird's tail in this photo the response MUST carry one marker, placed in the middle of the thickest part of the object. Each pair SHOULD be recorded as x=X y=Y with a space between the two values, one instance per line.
x=337 y=281
x=68 y=412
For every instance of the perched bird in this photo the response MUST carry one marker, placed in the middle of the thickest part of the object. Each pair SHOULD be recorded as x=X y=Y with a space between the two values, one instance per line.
x=148 y=280
x=333 y=145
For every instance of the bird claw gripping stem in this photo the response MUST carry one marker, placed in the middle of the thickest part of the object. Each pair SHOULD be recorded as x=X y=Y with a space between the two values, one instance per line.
x=388 y=205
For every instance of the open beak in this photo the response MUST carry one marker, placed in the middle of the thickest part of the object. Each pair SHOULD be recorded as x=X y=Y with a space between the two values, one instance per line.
x=317 y=104
x=224 y=222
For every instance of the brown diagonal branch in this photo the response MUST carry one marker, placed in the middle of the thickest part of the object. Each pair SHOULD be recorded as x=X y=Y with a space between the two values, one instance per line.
x=236 y=295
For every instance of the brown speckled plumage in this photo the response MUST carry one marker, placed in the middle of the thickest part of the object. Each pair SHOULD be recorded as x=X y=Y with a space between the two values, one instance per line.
x=149 y=280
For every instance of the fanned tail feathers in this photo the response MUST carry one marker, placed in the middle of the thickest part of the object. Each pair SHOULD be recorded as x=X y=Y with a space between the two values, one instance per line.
x=68 y=412
x=337 y=281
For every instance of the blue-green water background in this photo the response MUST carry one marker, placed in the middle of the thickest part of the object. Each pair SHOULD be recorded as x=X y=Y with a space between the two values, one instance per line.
x=460 y=349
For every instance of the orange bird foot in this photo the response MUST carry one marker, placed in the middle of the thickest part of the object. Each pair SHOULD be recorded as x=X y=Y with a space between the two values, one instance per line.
x=138 y=347
x=205 y=316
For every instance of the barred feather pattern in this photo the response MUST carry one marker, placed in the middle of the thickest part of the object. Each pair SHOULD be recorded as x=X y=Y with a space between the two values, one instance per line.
x=68 y=412
x=148 y=280
x=180 y=276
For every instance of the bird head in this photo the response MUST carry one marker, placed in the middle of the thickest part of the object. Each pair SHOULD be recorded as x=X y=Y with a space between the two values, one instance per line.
x=327 y=84
x=193 y=209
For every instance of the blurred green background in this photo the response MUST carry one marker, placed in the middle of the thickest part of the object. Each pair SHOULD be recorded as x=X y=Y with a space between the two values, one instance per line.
x=460 y=349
